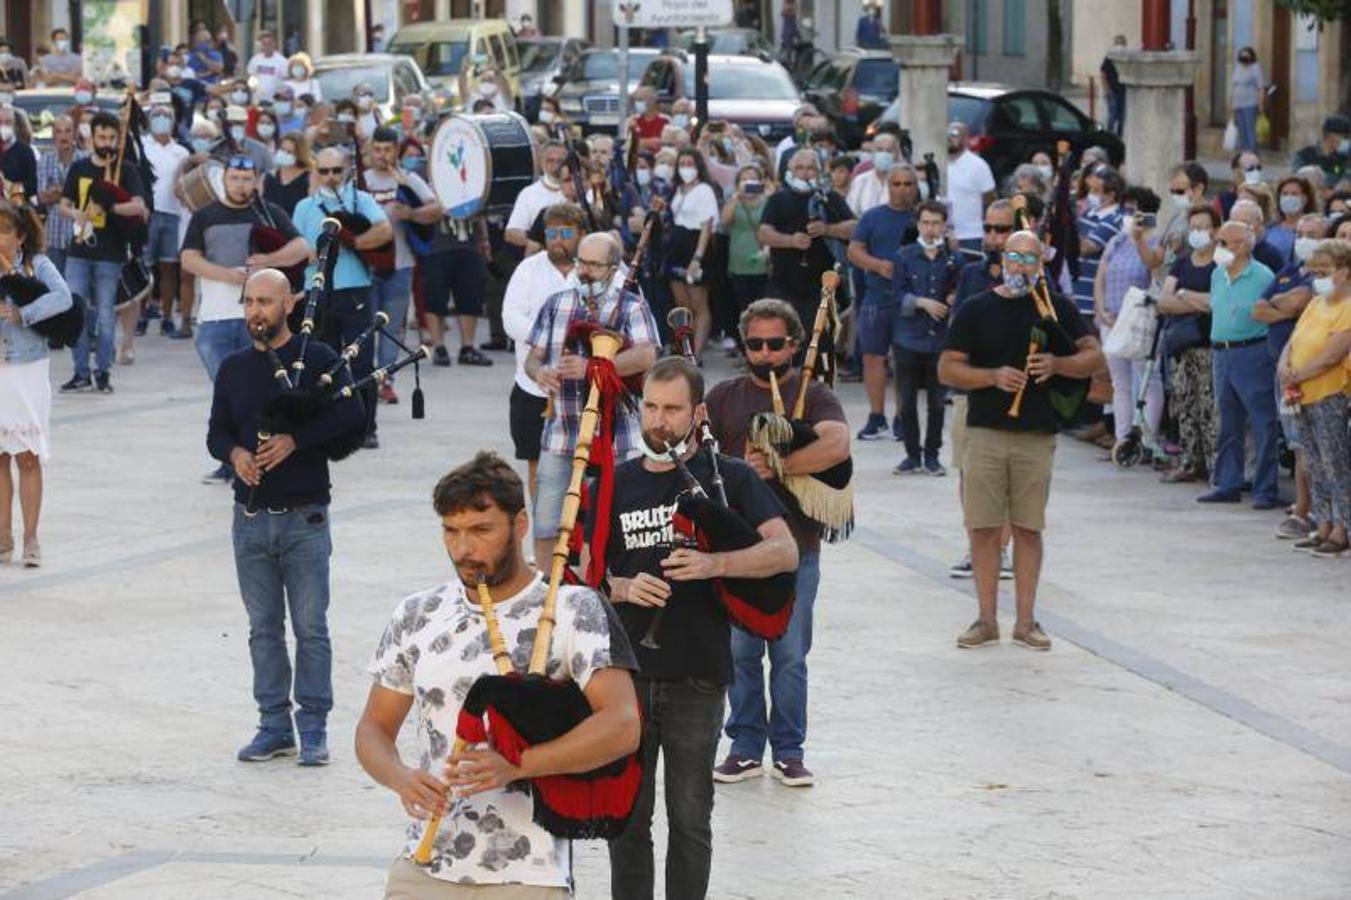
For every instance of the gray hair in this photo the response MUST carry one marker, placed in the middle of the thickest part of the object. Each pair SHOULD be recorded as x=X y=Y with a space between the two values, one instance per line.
x=1029 y=171
x=614 y=252
x=903 y=167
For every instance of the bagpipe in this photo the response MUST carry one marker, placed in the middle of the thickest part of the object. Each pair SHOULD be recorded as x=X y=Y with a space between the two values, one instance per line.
x=825 y=498
x=22 y=288
x=266 y=237
x=419 y=235
x=133 y=280
x=379 y=261
x=512 y=712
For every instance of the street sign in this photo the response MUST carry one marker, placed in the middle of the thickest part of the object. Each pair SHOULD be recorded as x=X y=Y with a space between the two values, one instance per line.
x=672 y=13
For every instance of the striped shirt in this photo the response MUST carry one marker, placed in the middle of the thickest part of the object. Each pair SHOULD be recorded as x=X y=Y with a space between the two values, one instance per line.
x=1100 y=228
x=635 y=324
x=52 y=172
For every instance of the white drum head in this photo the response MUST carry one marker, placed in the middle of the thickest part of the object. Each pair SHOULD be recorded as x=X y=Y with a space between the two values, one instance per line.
x=215 y=176
x=459 y=167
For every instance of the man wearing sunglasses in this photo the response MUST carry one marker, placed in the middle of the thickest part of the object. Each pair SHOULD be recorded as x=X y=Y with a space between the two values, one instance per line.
x=535 y=280
x=771 y=333
x=1007 y=469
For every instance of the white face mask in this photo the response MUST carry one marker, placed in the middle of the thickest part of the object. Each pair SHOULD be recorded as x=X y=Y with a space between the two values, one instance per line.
x=487 y=89
x=364 y=102
x=284 y=158
x=1181 y=201
x=282 y=108
x=680 y=120
x=62 y=46
x=239 y=98
x=266 y=129
x=1252 y=176
x=161 y=125
x=882 y=160
x=640 y=107
x=6 y=133
x=1291 y=204
x=688 y=174
x=237 y=133
x=346 y=118
x=1046 y=171
x=83 y=97
x=930 y=243
x=800 y=185
x=1323 y=286
x=681 y=447
x=202 y=144
x=1224 y=257
x=1197 y=238
x=1304 y=248
x=546 y=116
x=644 y=177
x=1094 y=201
x=664 y=171
x=298 y=73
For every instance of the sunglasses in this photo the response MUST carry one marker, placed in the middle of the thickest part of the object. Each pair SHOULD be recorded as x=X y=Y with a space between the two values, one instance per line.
x=241 y=162
x=775 y=344
x=567 y=234
x=1025 y=259
x=998 y=229
x=335 y=170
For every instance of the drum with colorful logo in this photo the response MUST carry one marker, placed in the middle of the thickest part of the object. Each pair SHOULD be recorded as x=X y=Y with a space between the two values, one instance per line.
x=479 y=163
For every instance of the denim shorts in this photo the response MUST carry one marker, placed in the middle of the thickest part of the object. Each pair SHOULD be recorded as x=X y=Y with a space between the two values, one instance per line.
x=552 y=475
x=162 y=245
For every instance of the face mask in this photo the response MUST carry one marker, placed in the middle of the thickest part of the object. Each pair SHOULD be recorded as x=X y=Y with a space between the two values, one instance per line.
x=1304 y=248
x=1046 y=171
x=161 y=125
x=882 y=160
x=1197 y=239
x=237 y=133
x=173 y=73
x=680 y=120
x=1224 y=257
x=282 y=109
x=1181 y=201
x=1252 y=176
x=298 y=73
x=762 y=370
x=655 y=454
x=83 y=97
x=411 y=163
x=1344 y=146
x=546 y=116
x=1323 y=286
x=364 y=102
x=266 y=129
x=239 y=98
x=644 y=177
x=201 y=144
x=85 y=132
x=284 y=158
x=798 y=184
x=1016 y=283
x=930 y=243
x=664 y=171
x=6 y=133
x=62 y=46
x=6 y=99
x=328 y=193
x=346 y=118
x=688 y=174
x=1291 y=204
x=1094 y=201
x=640 y=107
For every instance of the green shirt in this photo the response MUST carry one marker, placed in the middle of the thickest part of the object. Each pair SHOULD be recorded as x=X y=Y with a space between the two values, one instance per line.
x=744 y=255
x=1231 y=302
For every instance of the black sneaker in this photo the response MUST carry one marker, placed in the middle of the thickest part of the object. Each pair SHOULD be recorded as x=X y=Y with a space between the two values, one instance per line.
x=166 y=328
x=497 y=344
x=911 y=465
x=371 y=442
x=142 y=324
x=102 y=384
x=78 y=384
x=897 y=433
x=440 y=357
x=471 y=356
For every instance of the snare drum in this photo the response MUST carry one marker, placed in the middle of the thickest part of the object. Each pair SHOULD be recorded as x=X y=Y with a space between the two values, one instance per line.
x=479 y=163
x=203 y=186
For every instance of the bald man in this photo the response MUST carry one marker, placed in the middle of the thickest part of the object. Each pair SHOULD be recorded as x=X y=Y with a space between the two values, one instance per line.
x=1250 y=213
x=1006 y=472
x=349 y=310
x=594 y=289
x=281 y=531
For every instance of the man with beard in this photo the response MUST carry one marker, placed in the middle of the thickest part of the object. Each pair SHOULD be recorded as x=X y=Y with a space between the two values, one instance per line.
x=681 y=683
x=281 y=529
x=435 y=647
x=971 y=187
x=595 y=292
x=772 y=333
x=545 y=192
x=1006 y=474
x=533 y=282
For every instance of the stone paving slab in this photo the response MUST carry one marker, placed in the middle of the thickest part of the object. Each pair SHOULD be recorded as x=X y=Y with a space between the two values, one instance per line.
x=1198 y=746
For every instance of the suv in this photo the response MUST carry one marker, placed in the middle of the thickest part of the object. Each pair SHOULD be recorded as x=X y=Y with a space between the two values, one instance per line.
x=390 y=76
x=852 y=88
x=543 y=60
x=727 y=42
x=451 y=53
x=589 y=95
x=757 y=94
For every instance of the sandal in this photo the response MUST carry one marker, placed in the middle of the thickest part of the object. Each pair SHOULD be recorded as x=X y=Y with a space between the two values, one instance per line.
x=32 y=554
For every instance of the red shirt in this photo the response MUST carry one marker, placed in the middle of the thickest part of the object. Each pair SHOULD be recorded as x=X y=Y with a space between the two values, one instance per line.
x=650 y=126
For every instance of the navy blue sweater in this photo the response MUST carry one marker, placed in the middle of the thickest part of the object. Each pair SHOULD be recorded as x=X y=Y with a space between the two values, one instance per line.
x=244 y=384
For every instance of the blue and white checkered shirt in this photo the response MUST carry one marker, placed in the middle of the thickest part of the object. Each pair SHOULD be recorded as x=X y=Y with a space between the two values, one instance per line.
x=51 y=171
x=634 y=322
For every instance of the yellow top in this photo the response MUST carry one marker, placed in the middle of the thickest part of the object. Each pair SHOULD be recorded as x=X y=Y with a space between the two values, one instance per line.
x=1319 y=321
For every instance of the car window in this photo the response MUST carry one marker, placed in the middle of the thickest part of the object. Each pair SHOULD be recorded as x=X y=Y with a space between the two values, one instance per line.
x=876 y=78
x=818 y=75
x=767 y=82
x=600 y=66
x=499 y=52
x=1018 y=112
x=839 y=76
x=968 y=110
x=406 y=81
x=437 y=58
x=536 y=56
x=513 y=55
x=338 y=83
x=1060 y=116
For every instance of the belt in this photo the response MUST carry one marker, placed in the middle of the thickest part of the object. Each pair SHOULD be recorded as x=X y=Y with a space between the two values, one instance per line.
x=1234 y=345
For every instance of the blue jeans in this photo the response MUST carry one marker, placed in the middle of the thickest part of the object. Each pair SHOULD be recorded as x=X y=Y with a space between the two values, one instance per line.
x=162 y=242
x=282 y=561
x=390 y=296
x=786 y=725
x=1243 y=378
x=1246 y=120
x=217 y=340
x=96 y=279
x=680 y=719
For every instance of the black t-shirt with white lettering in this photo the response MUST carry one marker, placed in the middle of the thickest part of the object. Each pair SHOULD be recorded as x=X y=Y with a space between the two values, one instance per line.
x=695 y=636
x=112 y=233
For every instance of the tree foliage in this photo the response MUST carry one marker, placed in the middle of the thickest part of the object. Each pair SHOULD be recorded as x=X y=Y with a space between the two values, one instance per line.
x=1322 y=10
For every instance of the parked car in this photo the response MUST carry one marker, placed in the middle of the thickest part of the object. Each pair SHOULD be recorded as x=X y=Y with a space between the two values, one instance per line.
x=757 y=94
x=391 y=77
x=852 y=88
x=43 y=105
x=589 y=94
x=543 y=59
x=727 y=42
x=451 y=53
x=1007 y=124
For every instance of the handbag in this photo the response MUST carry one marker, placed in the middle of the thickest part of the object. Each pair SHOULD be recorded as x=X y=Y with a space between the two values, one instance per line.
x=1133 y=332
x=1185 y=332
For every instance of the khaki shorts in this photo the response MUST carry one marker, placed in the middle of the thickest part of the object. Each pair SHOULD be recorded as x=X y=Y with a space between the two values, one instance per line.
x=958 y=438
x=407 y=881
x=1006 y=478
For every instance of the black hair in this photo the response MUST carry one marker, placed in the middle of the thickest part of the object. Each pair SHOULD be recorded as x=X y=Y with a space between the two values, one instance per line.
x=104 y=119
x=1205 y=209
x=1111 y=179
x=485 y=480
x=823 y=134
x=1146 y=201
x=669 y=368
x=694 y=154
x=383 y=135
x=1196 y=174
x=1036 y=207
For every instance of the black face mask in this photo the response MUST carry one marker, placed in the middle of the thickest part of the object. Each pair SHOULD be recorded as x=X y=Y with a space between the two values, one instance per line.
x=762 y=370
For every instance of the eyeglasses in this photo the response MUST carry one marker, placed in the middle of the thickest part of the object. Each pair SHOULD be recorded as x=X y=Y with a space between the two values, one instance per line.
x=241 y=162
x=552 y=234
x=775 y=344
x=997 y=229
x=1023 y=259
x=335 y=170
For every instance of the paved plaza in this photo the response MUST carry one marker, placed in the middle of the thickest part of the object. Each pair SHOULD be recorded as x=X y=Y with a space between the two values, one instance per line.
x=1187 y=736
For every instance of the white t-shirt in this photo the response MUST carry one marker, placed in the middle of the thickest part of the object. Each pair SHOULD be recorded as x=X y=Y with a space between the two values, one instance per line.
x=866 y=191
x=165 y=160
x=385 y=188
x=530 y=202
x=691 y=209
x=969 y=177
x=270 y=70
x=434 y=649
x=533 y=282
x=306 y=86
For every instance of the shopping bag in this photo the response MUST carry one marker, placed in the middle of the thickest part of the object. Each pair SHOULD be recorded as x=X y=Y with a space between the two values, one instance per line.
x=1231 y=136
x=1133 y=333
x=1263 y=130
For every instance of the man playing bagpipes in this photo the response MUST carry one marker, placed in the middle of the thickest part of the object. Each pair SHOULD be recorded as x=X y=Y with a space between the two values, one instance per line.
x=105 y=214
x=347 y=309
x=440 y=642
x=771 y=335
x=652 y=566
x=595 y=296
x=281 y=530
x=1010 y=348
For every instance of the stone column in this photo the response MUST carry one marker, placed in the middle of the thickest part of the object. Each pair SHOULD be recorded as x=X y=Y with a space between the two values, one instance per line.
x=925 y=61
x=1155 y=127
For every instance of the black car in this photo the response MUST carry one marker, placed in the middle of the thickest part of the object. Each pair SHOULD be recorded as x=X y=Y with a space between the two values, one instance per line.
x=1007 y=124
x=543 y=59
x=589 y=95
x=852 y=88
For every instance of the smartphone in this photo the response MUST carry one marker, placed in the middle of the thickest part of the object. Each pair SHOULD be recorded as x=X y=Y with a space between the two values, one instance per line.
x=753 y=188
x=1147 y=221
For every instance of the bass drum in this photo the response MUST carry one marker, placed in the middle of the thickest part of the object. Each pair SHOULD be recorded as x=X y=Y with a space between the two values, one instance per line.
x=204 y=185
x=479 y=163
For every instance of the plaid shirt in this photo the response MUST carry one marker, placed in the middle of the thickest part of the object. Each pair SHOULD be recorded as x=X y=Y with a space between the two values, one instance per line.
x=51 y=171
x=551 y=327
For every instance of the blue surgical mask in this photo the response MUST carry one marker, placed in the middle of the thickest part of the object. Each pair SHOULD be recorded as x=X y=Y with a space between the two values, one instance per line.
x=800 y=185
x=84 y=98
x=411 y=163
x=284 y=158
x=237 y=133
x=1016 y=283
x=680 y=120
x=1198 y=238
x=1290 y=204
x=644 y=177
x=161 y=124
x=201 y=144
x=282 y=108
x=883 y=159
x=1046 y=171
